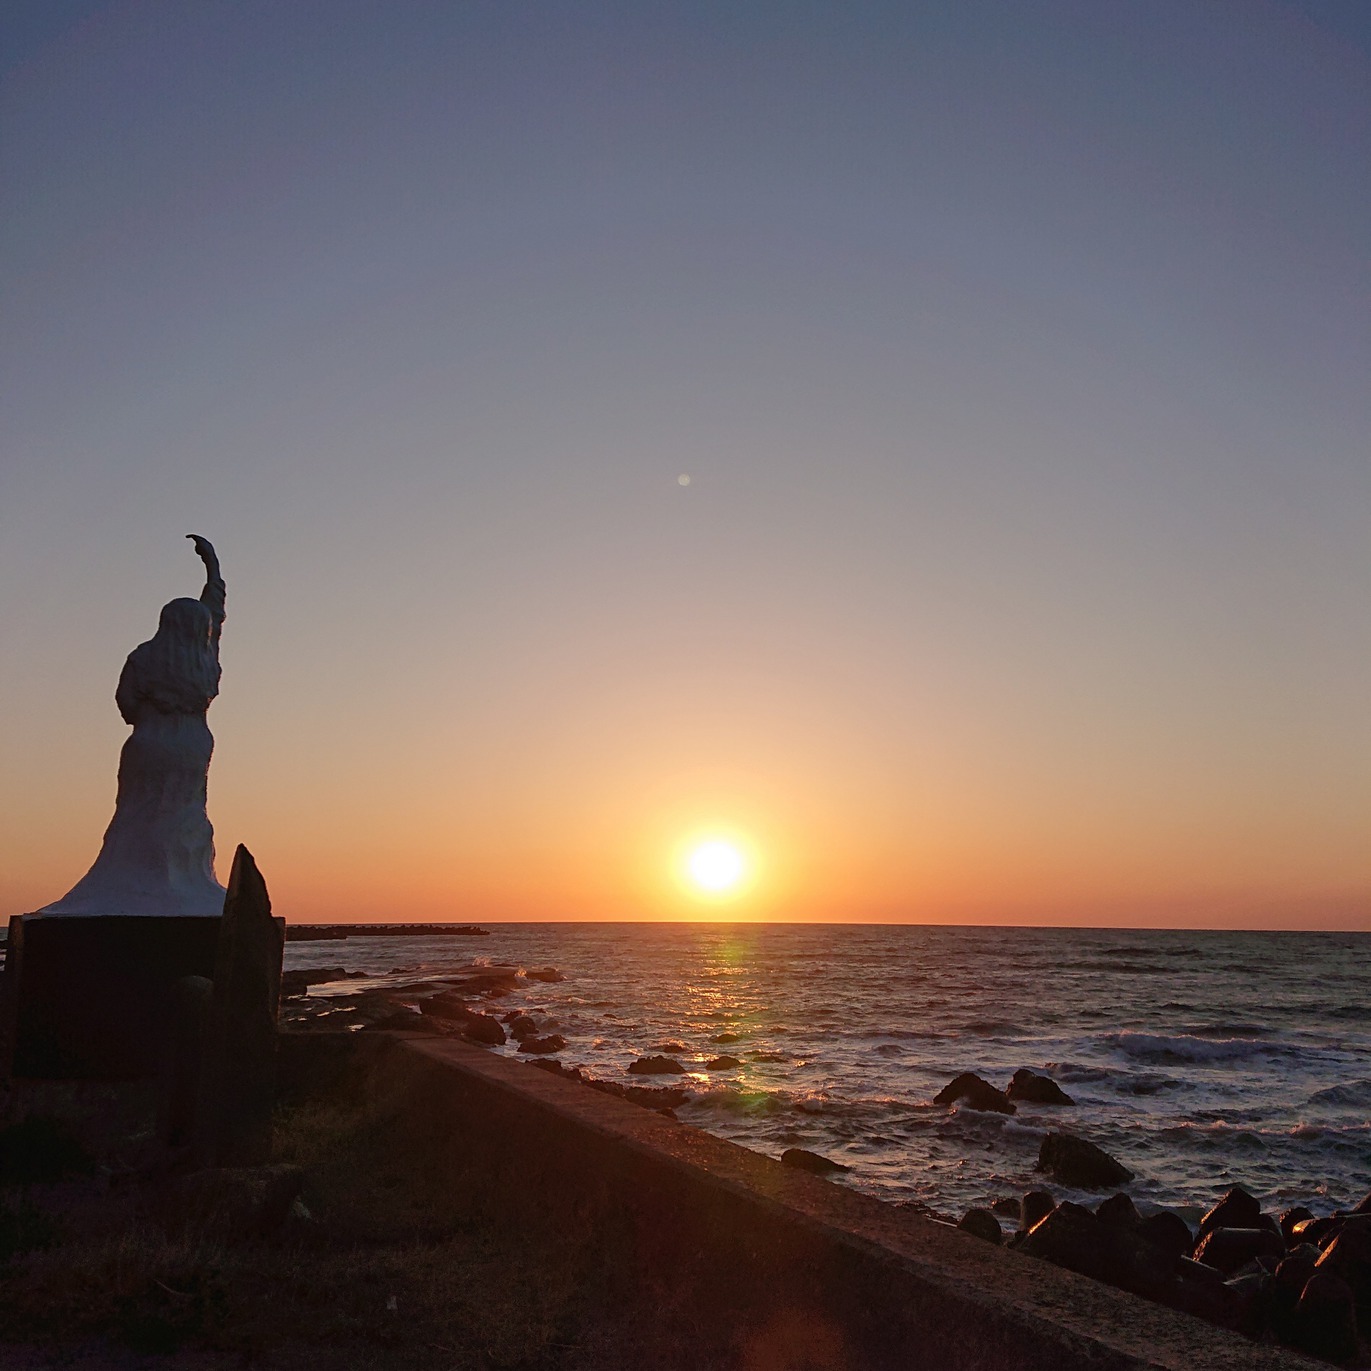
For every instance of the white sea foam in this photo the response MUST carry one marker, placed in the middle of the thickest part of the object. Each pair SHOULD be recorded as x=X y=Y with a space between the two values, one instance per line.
x=1185 y=1047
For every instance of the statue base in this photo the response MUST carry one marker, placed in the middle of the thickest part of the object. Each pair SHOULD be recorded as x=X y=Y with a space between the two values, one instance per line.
x=89 y=997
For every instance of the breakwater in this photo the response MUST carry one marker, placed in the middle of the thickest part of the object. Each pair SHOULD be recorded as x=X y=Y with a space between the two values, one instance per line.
x=752 y=1257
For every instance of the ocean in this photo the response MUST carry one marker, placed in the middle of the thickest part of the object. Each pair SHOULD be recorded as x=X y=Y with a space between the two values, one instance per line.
x=1200 y=1060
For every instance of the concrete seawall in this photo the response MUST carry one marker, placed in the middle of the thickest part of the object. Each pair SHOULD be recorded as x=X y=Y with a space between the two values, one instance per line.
x=768 y=1267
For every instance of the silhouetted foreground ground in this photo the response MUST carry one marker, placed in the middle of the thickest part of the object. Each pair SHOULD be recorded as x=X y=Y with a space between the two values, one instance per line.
x=401 y=1262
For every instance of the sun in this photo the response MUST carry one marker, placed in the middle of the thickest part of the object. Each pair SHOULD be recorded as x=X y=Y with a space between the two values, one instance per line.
x=716 y=867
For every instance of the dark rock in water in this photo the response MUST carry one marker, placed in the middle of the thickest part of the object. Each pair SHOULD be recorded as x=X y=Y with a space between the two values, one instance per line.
x=556 y=1068
x=1230 y=1249
x=725 y=1037
x=297 y=982
x=662 y=1098
x=1031 y=1087
x=1167 y=1230
x=490 y=983
x=981 y=1223
x=1119 y=1210
x=550 y=974
x=768 y=1056
x=670 y=1047
x=724 y=1063
x=449 y=1005
x=402 y=1018
x=237 y=1090
x=1237 y=1209
x=977 y=1093
x=1005 y=1207
x=804 y=1160
x=230 y=1202
x=656 y=1066
x=553 y=1042
x=1034 y=1207
x=1293 y=1216
x=1079 y=1163
x=483 y=1029
x=521 y=1027
x=1364 y=1207
x=1325 y=1321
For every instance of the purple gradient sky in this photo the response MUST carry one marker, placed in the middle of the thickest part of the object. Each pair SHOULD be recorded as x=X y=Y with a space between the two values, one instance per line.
x=1020 y=356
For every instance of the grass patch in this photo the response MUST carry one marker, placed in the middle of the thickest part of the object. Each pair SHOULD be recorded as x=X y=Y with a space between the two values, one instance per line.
x=41 y=1148
x=404 y=1260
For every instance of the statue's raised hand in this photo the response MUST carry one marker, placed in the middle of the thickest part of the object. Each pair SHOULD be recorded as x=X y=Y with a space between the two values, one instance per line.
x=205 y=548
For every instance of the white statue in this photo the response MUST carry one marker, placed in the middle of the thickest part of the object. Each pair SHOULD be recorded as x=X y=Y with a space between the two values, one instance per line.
x=158 y=853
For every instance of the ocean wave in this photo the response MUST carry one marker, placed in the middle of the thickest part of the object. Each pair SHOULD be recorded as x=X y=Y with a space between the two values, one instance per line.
x=1358 y=1012
x=1185 y=1047
x=1348 y=1095
x=1226 y=1030
x=994 y=1028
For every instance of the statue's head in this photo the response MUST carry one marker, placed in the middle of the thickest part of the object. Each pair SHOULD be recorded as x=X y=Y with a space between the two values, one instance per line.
x=186 y=621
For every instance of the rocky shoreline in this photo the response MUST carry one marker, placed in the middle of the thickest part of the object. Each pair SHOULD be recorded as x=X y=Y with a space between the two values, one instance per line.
x=1293 y=1279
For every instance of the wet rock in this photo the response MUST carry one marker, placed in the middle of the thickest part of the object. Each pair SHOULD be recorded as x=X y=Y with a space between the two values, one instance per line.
x=1292 y=1275
x=1167 y=1230
x=553 y=1042
x=1200 y=1290
x=726 y=1037
x=296 y=983
x=399 y=1017
x=1118 y=1210
x=1077 y=1162
x=549 y=974
x=1034 y=1088
x=1291 y=1217
x=1034 y=1207
x=804 y=1160
x=671 y=1047
x=1314 y=1230
x=1230 y=1249
x=483 y=1029
x=230 y=1202
x=521 y=1027
x=1364 y=1207
x=976 y=1093
x=656 y=1066
x=491 y=982
x=1006 y=1207
x=1237 y=1209
x=981 y=1223
x=1073 y=1237
x=450 y=1005
x=1252 y=1306
x=1325 y=1321
x=724 y=1063
x=1348 y=1256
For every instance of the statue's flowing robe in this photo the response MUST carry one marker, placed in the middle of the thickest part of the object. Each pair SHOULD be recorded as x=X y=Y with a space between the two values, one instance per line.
x=158 y=852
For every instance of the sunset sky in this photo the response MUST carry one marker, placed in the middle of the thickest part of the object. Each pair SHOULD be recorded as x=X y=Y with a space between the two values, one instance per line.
x=1018 y=356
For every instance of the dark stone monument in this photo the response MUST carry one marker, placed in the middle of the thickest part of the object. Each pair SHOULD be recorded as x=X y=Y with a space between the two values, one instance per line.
x=90 y=997
x=238 y=1073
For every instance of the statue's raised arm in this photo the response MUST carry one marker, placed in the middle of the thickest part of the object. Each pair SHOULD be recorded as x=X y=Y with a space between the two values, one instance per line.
x=212 y=597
